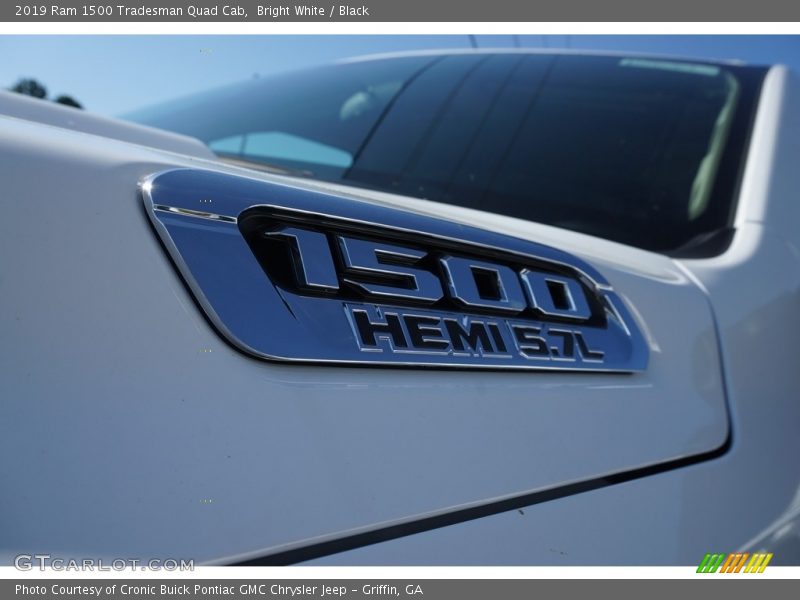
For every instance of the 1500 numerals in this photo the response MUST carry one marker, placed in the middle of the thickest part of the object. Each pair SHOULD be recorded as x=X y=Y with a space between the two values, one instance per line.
x=390 y=272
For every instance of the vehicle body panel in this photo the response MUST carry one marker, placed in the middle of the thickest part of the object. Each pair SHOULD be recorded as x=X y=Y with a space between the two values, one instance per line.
x=50 y=113
x=282 y=453
x=130 y=428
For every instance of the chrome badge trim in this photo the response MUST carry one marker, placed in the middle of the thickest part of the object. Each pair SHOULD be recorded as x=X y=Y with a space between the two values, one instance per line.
x=291 y=274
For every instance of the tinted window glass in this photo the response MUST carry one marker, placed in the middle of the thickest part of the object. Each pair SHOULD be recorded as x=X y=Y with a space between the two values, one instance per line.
x=642 y=151
x=306 y=123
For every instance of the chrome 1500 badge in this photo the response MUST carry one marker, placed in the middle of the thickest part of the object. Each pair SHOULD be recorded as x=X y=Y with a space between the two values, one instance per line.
x=291 y=274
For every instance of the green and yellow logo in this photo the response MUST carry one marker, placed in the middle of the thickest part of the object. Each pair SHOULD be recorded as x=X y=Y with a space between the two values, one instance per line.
x=735 y=562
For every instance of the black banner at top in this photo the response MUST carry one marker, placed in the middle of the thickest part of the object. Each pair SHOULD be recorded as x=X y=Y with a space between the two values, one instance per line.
x=404 y=10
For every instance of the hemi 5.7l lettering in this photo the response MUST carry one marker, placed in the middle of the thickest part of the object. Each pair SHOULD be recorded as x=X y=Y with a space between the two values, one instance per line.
x=410 y=332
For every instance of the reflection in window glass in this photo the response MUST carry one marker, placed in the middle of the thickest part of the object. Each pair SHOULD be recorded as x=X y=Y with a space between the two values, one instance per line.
x=643 y=151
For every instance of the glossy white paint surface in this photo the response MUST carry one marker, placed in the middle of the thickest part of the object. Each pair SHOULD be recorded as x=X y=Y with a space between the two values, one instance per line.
x=58 y=115
x=129 y=428
x=746 y=498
